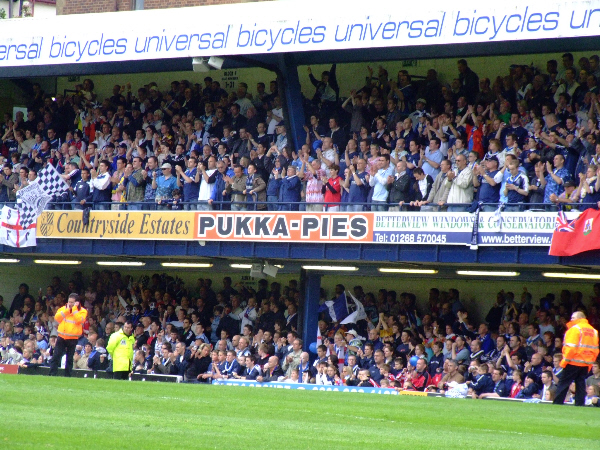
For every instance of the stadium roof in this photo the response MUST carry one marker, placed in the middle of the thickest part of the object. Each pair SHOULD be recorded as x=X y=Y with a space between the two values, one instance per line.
x=311 y=32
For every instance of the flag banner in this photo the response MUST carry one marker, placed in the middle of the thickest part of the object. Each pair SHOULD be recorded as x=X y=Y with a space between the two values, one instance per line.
x=358 y=314
x=526 y=228
x=12 y=234
x=576 y=233
x=31 y=202
x=475 y=230
x=337 y=309
x=50 y=180
x=33 y=198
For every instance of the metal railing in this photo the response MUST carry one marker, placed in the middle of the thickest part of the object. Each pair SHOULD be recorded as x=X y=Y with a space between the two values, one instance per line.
x=292 y=206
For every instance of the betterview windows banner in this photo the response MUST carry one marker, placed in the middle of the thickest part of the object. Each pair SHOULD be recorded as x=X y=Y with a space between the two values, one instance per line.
x=412 y=228
x=276 y=27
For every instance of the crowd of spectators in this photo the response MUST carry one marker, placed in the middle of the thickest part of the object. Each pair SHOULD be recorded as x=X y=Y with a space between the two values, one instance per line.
x=528 y=138
x=238 y=332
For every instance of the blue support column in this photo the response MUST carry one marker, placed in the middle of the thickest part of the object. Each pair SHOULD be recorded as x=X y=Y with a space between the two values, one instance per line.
x=310 y=283
x=289 y=89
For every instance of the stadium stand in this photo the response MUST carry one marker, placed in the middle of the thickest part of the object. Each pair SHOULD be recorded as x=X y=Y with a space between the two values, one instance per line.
x=527 y=139
x=203 y=334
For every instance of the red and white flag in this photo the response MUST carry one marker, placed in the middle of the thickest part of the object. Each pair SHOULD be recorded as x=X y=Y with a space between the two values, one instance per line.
x=576 y=234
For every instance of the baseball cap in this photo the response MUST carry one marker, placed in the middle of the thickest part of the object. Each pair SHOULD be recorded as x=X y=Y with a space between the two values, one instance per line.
x=123 y=145
x=352 y=332
x=166 y=166
x=281 y=124
x=569 y=184
x=493 y=158
x=422 y=100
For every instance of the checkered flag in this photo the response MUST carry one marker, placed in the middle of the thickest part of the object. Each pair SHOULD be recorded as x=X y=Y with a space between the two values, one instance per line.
x=32 y=199
x=50 y=181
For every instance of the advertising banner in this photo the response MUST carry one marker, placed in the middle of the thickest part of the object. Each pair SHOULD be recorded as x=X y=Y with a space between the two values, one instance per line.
x=413 y=228
x=312 y=387
x=275 y=27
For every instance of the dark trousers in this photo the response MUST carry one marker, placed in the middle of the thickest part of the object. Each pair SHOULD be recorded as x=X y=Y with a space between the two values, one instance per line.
x=121 y=375
x=569 y=375
x=63 y=346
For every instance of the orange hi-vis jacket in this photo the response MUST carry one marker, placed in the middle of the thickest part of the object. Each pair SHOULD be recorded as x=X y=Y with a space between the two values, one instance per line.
x=70 y=322
x=580 y=347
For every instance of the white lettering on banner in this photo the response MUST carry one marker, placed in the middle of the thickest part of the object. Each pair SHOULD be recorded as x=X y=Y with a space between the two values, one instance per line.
x=240 y=29
x=413 y=228
x=313 y=387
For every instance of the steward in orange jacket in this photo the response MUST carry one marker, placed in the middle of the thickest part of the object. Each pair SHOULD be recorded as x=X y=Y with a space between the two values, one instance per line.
x=580 y=347
x=70 y=320
x=580 y=350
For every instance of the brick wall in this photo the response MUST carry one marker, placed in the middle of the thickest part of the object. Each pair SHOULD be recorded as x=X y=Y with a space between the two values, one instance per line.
x=98 y=6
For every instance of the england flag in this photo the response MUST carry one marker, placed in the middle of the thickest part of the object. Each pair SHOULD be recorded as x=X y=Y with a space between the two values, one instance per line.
x=12 y=234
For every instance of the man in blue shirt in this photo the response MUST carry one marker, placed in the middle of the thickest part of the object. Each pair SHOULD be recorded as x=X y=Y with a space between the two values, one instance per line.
x=102 y=186
x=488 y=179
x=500 y=388
x=356 y=182
x=555 y=180
x=164 y=185
x=431 y=158
x=81 y=192
x=514 y=128
x=517 y=187
x=290 y=190
x=487 y=344
x=187 y=180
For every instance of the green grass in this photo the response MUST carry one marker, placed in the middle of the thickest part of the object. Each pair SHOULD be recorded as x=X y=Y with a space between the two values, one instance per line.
x=42 y=412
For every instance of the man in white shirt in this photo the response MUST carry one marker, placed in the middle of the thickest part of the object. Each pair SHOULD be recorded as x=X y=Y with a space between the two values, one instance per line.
x=431 y=158
x=206 y=178
x=102 y=186
x=248 y=315
x=327 y=154
x=379 y=180
x=275 y=115
x=461 y=185
x=243 y=100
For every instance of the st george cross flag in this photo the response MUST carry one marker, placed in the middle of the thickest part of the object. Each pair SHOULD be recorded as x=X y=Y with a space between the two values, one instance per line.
x=12 y=233
x=357 y=315
x=32 y=199
x=337 y=309
x=574 y=235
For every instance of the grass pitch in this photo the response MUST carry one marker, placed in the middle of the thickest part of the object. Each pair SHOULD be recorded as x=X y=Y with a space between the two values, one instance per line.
x=41 y=412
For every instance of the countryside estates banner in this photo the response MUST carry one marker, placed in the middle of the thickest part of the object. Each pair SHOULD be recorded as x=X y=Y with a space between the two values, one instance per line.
x=283 y=26
x=413 y=228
